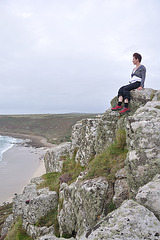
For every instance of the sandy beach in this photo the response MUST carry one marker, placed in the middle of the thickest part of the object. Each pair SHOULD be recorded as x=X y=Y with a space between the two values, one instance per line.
x=19 y=164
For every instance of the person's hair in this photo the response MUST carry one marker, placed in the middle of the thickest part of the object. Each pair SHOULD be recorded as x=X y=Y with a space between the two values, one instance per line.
x=137 y=55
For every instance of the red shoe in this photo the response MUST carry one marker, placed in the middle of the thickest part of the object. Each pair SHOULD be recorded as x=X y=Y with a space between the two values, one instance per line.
x=116 y=108
x=125 y=110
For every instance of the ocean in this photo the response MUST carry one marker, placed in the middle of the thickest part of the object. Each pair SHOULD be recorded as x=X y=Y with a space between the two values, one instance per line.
x=7 y=143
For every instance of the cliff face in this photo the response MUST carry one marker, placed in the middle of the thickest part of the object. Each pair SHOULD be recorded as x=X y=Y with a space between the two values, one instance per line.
x=83 y=205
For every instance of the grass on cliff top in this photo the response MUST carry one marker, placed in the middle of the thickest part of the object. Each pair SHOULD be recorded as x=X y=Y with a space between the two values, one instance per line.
x=16 y=232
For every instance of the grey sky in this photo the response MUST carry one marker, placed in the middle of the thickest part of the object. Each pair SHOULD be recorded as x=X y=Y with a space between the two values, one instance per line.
x=59 y=56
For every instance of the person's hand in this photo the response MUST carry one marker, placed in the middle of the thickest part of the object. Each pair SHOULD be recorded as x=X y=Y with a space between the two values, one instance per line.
x=140 y=88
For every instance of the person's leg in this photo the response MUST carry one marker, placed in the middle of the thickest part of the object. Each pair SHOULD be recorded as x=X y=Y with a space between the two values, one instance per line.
x=128 y=88
x=120 y=100
x=126 y=94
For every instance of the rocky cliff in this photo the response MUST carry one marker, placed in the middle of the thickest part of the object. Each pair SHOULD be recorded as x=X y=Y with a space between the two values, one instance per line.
x=119 y=198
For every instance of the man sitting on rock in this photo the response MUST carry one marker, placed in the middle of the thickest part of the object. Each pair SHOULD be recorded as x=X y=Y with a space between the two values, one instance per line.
x=137 y=82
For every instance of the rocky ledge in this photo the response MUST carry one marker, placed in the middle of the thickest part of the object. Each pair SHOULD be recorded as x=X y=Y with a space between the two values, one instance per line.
x=82 y=205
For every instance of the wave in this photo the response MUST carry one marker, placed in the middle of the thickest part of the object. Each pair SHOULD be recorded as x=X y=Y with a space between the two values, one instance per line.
x=6 y=143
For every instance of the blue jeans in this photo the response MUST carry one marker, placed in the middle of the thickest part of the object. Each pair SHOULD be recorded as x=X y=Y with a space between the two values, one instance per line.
x=125 y=90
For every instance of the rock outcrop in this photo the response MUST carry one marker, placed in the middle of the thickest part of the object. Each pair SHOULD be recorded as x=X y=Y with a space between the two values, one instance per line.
x=130 y=222
x=149 y=196
x=121 y=187
x=7 y=224
x=83 y=203
x=143 y=139
x=54 y=158
x=32 y=205
x=85 y=141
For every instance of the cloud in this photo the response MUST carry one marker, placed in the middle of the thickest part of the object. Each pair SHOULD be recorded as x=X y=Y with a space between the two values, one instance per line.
x=65 y=56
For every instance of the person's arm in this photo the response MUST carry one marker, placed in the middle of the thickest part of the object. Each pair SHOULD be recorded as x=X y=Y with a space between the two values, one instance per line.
x=143 y=73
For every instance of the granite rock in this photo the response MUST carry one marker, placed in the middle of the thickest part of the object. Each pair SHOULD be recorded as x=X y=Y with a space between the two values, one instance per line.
x=143 y=140
x=7 y=224
x=130 y=222
x=33 y=204
x=83 y=203
x=54 y=158
x=149 y=196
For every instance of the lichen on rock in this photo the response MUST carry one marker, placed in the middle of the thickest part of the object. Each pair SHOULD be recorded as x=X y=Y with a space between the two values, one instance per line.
x=143 y=139
x=130 y=222
x=83 y=202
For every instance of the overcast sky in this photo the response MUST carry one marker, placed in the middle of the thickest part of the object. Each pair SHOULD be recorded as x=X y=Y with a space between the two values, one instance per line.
x=59 y=56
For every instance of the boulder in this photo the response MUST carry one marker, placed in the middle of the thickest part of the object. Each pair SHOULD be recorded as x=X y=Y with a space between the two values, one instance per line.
x=81 y=205
x=54 y=158
x=39 y=206
x=130 y=222
x=32 y=205
x=143 y=140
x=149 y=196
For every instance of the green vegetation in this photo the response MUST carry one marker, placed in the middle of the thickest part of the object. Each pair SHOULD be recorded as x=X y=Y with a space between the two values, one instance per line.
x=107 y=163
x=56 y=128
x=110 y=207
x=49 y=220
x=121 y=139
x=111 y=160
x=5 y=211
x=71 y=167
x=158 y=107
x=51 y=180
x=16 y=232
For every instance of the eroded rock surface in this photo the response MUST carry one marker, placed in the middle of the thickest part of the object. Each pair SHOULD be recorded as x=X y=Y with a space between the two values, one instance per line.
x=149 y=196
x=143 y=139
x=33 y=204
x=54 y=158
x=130 y=222
x=82 y=203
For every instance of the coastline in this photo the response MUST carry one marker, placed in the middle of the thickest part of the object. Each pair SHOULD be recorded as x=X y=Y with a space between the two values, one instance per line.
x=35 y=141
x=21 y=163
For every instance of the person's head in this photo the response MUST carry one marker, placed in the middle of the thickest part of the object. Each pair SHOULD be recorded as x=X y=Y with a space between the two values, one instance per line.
x=136 y=58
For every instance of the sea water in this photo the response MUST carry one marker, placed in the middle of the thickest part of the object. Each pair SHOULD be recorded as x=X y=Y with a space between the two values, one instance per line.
x=7 y=143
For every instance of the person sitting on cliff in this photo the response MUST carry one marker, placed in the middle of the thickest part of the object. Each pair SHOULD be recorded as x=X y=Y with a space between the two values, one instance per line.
x=137 y=82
